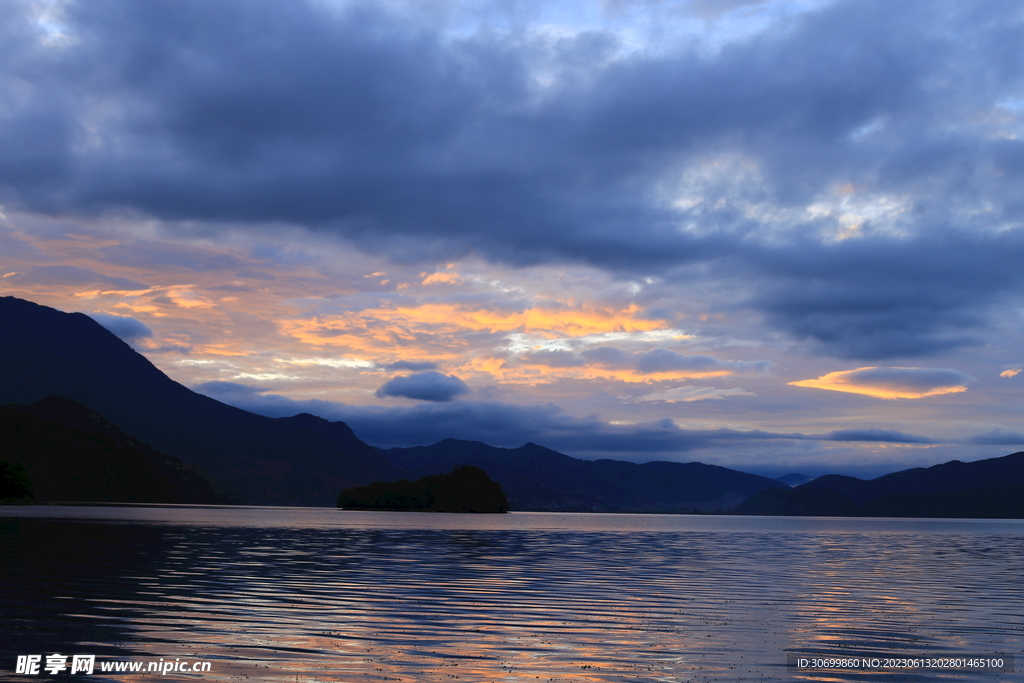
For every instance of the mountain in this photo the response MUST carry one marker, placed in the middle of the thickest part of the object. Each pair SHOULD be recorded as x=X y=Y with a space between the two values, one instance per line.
x=306 y=460
x=69 y=453
x=794 y=479
x=464 y=489
x=991 y=488
x=300 y=460
x=538 y=478
x=15 y=486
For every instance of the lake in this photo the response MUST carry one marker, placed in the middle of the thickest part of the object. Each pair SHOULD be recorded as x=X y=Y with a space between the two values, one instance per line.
x=300 y=594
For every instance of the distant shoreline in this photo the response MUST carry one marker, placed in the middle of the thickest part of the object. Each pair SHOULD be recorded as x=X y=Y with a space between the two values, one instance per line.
x=227 y=506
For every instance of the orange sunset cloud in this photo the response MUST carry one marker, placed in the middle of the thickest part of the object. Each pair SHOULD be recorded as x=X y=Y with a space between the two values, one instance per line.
x=891 y=383
x=446 y=323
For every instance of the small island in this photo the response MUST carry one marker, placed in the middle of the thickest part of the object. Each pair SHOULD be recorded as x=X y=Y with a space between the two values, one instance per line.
x=464 y=489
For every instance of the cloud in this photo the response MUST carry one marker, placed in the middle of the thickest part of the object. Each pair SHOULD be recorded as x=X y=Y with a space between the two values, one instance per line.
x=891 y=383
x=424 y=386
x=687 y=394
x=436 y=278
x=850 y=173
x=511 y=425
x=888 y=296
x=125 y=327
x=453 y=320
x=997 y=437
x=73 y=276
x=229 y=392
x=556 y=358
x=655 y=361
x=665 y=360
x=1012 y=372
x=501 y=424
x=610 y=356
x=875 y=436
x=410 y=365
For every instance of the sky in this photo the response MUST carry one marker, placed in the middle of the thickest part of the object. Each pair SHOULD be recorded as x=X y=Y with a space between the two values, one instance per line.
x=774 y=236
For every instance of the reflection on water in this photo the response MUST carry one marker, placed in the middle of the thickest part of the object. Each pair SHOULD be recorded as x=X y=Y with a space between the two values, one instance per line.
x=303 y=595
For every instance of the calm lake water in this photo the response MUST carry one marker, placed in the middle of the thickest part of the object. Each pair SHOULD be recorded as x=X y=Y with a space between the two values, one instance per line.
x=287 y=594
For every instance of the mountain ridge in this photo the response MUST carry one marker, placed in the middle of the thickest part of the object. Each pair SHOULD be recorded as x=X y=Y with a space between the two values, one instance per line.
x=70 y=453
x=300 y=460
x=538 y=478
x=304 y=459
x=992 y=487
x=307 y=460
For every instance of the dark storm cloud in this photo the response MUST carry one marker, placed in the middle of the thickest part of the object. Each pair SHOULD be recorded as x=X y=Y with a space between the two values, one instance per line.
x=127 y=328
x=876 y=298
x=425 y=386
x=371 y=121
x=377 y=125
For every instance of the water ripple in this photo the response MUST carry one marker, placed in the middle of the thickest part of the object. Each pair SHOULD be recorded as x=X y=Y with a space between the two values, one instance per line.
x=381 y=601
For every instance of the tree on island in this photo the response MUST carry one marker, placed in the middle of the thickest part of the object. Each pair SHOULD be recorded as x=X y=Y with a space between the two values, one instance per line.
x=464 y=489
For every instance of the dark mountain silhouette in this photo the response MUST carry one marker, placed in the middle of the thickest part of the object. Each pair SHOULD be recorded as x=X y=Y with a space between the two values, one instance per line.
x=538 y=478
x=301 y=460
x=794 y=479
x=464 y=489
x=14 y=482
x=306 y=460
x=69 y=453
x=986 y=488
